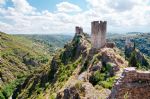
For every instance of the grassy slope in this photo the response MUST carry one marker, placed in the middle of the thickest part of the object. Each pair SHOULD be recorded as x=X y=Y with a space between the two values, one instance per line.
x=38 y=88
x=18 y=57
x=38 y=85
x=25 y=56
x=55 y=41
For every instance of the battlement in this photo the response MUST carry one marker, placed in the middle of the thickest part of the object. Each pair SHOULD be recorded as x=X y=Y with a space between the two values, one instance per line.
x=78 y=30
x=98 y=30
x=98 y=26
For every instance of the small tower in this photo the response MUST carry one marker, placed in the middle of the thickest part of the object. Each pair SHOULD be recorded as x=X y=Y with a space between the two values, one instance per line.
x=98 y=30
x=78 y=30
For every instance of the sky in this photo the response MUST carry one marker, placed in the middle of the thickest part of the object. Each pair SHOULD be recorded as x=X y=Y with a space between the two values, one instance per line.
x=61 y=16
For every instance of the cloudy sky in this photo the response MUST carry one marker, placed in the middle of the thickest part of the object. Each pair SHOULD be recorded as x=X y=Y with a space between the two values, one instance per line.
x=61 y=16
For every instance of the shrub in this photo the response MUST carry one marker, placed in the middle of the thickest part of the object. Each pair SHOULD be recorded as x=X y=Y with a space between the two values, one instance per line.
x=1 y=95
x=39 y=90
x=78 y=85
x=108 y=83
x=96 y=77
x=133 y=60
x=85 y=66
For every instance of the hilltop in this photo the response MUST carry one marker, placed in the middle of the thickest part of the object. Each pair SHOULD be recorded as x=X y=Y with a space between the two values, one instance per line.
x=76 y=65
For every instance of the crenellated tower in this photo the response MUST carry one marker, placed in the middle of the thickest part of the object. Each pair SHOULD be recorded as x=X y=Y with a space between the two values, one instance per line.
x=98 y=30
x=78 y=30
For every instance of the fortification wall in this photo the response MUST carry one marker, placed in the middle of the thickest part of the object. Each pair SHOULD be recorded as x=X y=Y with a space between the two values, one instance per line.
x=132 y=84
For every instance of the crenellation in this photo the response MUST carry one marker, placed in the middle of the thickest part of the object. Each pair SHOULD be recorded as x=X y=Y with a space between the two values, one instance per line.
x=98 y=33
x=78 y=30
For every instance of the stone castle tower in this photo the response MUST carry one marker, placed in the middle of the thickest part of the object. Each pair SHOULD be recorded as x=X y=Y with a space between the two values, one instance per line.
x=78 y=30
x=98 y=30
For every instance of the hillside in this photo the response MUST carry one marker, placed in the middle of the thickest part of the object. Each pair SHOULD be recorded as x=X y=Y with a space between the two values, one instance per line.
x=21 y=55
x=74 y=66
x=142 y=41
x=54 y=41
x=78 y=71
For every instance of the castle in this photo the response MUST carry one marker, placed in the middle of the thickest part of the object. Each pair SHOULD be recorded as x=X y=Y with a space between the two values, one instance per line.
x=98 y=33
x=98 y=30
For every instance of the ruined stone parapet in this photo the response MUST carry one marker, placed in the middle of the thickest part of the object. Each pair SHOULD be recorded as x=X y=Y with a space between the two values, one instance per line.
x=78 y=30
x=98 y=30
x=132 y=84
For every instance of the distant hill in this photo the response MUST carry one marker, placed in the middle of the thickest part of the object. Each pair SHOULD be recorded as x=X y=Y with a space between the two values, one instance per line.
x=142 y=41
x=56 y=41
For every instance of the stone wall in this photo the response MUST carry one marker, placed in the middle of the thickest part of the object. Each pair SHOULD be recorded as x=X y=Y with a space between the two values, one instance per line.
x=132 y=84
x=78 y=30
x=98 y=30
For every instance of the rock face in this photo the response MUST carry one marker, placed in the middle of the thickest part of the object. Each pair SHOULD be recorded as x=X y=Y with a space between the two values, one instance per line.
x=79 y=91
x=112 y=56
x=132 y=85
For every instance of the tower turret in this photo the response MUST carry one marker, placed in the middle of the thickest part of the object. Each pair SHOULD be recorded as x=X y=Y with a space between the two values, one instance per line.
x=98 y=30
x=78 y=30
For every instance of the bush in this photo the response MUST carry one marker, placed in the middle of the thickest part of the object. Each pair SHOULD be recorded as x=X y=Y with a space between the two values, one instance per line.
x=96 y=77
x=8 y=89
x=78 y=85
x=1 y=95
x=133 y=62
x=108 y=83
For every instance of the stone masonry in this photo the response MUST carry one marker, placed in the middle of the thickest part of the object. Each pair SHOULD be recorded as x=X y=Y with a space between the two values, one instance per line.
x=132 y=84
x=98 y=30
x=78 y=30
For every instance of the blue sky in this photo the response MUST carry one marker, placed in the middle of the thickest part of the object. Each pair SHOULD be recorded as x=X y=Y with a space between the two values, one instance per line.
x=61 y=16
x=51 y=4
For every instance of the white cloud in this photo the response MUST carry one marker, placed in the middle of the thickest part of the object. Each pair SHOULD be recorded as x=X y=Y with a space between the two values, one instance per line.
x=2 y=2
x=121 y=16
x=68 y=7
x=23 y=6
x=122 y=13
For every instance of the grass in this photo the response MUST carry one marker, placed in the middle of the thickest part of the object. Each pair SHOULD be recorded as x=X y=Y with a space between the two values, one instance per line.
x=8 y=89
x=19 y=57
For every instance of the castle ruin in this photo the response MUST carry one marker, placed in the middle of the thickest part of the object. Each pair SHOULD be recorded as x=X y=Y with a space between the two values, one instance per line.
x=98 y=30
x=132 y=84
x=78 y=30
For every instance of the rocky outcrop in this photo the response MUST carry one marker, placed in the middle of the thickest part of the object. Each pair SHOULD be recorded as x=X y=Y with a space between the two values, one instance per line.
x=81 y=90
x=74 y=49
x=132 y=84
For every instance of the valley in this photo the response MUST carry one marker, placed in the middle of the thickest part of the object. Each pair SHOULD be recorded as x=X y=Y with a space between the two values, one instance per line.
x=41 y=66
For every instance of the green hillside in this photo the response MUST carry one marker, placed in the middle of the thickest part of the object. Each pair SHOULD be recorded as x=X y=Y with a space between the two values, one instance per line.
x=68 y=67
x=142 y=41
x=54 y=41
x=19 y=56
